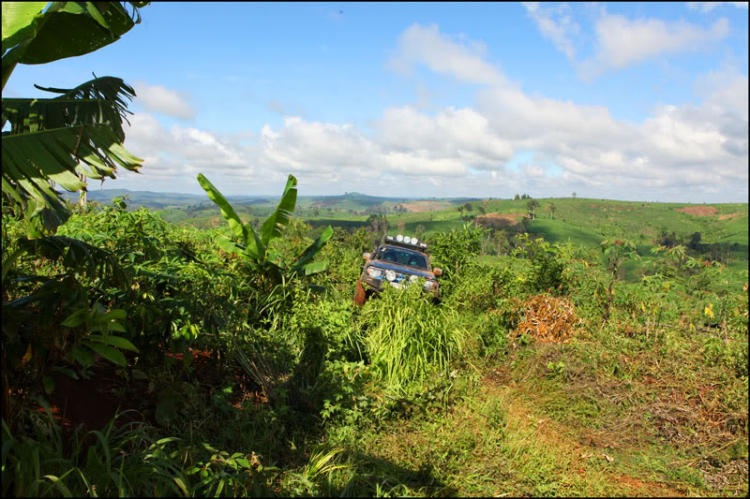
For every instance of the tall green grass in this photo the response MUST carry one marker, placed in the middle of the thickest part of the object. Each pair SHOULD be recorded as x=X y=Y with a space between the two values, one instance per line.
x=122 y=461
x=407 y=338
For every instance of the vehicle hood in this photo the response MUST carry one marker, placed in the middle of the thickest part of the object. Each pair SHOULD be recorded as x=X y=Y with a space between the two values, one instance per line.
x=401 y=268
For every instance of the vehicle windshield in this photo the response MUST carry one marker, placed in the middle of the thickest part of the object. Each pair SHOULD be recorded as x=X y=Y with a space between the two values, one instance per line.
x=402 y=256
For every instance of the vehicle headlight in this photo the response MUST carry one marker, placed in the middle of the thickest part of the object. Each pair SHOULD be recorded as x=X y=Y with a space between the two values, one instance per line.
x=374 y=272
x=390 y=275
x=429 y=285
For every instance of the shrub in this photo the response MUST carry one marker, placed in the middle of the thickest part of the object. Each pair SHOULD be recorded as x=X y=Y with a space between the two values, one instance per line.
x=407 y=338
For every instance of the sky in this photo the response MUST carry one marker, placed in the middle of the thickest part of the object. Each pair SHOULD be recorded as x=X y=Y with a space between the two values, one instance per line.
x=631 y=101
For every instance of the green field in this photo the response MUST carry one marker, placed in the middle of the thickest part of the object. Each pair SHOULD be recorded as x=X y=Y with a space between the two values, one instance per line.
x=581 y=221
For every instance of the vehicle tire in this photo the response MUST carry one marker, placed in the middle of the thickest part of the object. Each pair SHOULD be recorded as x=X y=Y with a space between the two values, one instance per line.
x=359 y=294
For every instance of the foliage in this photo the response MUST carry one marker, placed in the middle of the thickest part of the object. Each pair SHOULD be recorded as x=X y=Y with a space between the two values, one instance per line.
x=452 y=250
x=257 y=376
x=407 y=339
x=547 y=273
x=245 y=374
x=615 y=252
x=255 y=248
x=129 y=460
x=75 y=135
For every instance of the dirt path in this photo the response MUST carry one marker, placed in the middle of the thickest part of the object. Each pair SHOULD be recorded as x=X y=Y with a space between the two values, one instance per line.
x=592 y=464
x=492 y=442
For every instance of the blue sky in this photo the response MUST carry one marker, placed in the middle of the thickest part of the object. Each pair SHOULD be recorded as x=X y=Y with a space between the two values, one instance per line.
x=636 y=101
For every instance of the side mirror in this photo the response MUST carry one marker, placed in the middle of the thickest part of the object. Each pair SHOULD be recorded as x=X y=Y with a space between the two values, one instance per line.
x=366 y=256
x=437 y=271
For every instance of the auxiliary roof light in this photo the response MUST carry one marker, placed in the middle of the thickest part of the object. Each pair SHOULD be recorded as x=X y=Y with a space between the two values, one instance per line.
x=399 y=238
x=407 y=240
x=414 y=241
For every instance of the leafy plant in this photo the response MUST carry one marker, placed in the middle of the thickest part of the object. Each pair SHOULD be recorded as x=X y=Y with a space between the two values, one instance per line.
x=548 y=271
x=452 y=250
x=75 y=135
x=615 y=252
x=254 y=247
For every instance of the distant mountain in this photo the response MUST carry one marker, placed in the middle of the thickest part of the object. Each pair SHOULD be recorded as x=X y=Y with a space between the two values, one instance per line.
x=161 y=200
x=350 y=198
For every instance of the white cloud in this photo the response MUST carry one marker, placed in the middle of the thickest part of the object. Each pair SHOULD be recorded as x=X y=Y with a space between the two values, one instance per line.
x=679 y=151
x=620 y=42
x=534 y=171
x=461 y=134
x=556 y=24
x=426 y=45
x=169 y=154
x=706 y=7
x=623 y=42
x=163 y=100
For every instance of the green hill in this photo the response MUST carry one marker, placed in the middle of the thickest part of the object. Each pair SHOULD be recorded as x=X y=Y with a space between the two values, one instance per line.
x=581 y=221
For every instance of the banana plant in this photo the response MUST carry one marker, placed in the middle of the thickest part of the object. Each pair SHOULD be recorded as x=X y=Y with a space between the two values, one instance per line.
x=254 y=247
x=77 y=134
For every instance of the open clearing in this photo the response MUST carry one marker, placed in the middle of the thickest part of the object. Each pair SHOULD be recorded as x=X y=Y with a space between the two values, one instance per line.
x=698 y=211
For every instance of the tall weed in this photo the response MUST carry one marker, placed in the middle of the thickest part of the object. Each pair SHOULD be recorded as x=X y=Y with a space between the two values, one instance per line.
x=407 y=338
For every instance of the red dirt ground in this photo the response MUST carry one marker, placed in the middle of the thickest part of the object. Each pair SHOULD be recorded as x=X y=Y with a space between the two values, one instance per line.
x=499 y=219
x=698 y=211
x=730 y=216
x=423 y=206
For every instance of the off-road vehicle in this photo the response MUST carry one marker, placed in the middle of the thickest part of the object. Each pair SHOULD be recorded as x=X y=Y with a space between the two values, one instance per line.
x=400 y=261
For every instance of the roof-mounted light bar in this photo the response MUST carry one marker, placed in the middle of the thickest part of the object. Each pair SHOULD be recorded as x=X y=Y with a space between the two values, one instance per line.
x=406 y=241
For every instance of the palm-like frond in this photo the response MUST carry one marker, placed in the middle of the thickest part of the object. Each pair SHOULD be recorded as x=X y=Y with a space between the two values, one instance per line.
x=275 y=223
x=106 y=88
x=76 y=256
x=78 y=133
x=38 y=38
x=256 y=248
x=303 y=262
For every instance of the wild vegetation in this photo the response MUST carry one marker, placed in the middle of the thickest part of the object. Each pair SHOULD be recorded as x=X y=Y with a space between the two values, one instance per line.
x=568 y=355
x=212 y=370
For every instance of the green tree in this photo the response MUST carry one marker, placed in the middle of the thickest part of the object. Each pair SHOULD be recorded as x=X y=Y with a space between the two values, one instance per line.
x=531 y=207
x=516 y=197
x=64 y=140
x=500 y=241
x=552 y=208
x=695 y=241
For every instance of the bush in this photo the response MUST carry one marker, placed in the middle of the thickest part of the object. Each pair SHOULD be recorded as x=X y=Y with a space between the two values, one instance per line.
x=407 y=338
